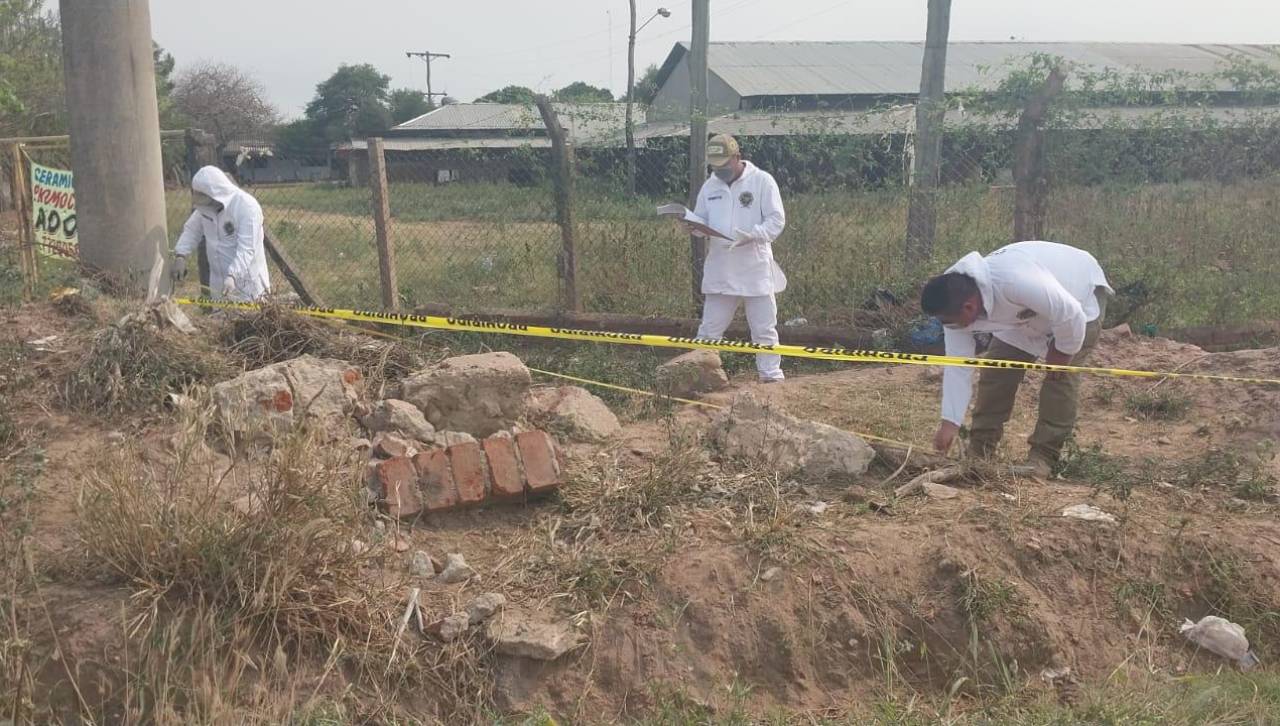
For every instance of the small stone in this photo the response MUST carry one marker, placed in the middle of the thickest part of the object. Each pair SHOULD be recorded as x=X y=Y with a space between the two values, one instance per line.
x=1164 y=441
x=517 y=634
x=450 y=628
x=361 y=445
x=816 y=509
x=392 y=446
x=358 y=547
x=771 y=574
x=398 y=417
x=934 y=490
x=857 y=494
x=456 y=570
x=455 y=438
x=399 y=543
x=115 y=437
x=690 y=374
x=484 y=607
x=420 y=565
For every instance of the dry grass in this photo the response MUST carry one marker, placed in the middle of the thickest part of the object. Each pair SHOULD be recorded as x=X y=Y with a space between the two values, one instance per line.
x=132 y=366
x=275 y=334
x=240 y=595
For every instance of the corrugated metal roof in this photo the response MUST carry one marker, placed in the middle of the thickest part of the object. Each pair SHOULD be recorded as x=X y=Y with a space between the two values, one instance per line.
x=444 y=144
x=771 y=68
x=584 y=122
x=901 y=120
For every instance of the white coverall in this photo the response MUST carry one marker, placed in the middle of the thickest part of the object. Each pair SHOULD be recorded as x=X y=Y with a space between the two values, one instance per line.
x=233 y=237
x=1033 y=292
x=750 y=209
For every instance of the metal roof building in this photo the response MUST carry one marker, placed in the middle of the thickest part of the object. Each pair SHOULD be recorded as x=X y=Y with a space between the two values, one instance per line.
x=859 y=74
x=497 y=125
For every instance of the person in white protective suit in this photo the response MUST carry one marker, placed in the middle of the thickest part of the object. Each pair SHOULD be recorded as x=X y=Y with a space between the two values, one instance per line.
x=742 y=202
x=229 y=221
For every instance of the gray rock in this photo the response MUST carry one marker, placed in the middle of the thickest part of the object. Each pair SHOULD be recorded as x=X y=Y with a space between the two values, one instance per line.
x=517 y=634
x=479 y=394
x=485 y=607
x=456 y=570
x=420 y=565
x=391 y=446
x=398 y=417
x=757 y=433
x=934 y=490
x=267 y=401
x=450 y=628
x=572 y=412
x=698 y=371
x=453 y=438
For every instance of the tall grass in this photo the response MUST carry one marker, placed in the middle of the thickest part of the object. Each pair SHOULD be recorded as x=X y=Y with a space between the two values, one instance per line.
x=1201 y=251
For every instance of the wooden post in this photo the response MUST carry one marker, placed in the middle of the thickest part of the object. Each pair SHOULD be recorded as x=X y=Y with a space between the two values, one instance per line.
x=562 y=153
x=291 y=272
x=22 y=207
x=1031 y=181
x=931 y=108
x=202 y=151
x=382 y=225
x=698 y=45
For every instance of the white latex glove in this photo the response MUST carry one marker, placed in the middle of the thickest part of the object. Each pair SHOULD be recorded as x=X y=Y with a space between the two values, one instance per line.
x=742 y=237
x=228 y=286
x=178 y=271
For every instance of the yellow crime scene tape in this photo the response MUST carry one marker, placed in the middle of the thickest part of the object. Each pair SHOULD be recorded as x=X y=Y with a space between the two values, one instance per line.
x=476 y=325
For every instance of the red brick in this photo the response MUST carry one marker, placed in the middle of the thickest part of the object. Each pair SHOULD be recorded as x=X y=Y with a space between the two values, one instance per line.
x=282 y=401
x=397 y=485
x=467 y=462
x=541 y=469
x=436 y=481
x=504 y=467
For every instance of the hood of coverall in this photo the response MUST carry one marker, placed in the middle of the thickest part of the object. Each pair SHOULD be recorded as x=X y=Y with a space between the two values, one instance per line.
x=214 y=183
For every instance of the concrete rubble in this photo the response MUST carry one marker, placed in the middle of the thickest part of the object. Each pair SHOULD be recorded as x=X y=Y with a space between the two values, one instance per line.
x=693 y=373
x=521 y=635
x=398 y=417
x=754 y=432
x=477 y=394
x=574 y=413
x=267 y=401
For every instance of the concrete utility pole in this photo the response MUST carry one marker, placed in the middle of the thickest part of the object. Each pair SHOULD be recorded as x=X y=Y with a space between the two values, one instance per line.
x=427 y=55
x=931 y=108
x=115 y=140
x=698 y=129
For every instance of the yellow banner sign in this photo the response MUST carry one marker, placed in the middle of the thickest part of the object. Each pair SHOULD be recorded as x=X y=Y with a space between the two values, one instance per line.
x=53 y=212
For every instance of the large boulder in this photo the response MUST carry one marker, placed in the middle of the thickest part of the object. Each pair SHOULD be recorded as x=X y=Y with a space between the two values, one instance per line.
x=270 y=400
x=698 y=371
x=572 y=412
x=753 y=431
x=476 y=394
x=399 y=417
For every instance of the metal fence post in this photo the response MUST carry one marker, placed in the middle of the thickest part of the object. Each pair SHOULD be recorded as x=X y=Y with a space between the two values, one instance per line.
x=382 y=225
x=562 y=153
x=202 y=151
x=699 y=43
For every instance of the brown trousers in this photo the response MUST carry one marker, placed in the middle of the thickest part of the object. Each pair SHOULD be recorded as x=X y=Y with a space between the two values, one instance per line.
x=998 y=389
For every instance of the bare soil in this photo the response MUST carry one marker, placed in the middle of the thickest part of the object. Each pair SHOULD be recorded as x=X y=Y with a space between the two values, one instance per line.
x=722 y=585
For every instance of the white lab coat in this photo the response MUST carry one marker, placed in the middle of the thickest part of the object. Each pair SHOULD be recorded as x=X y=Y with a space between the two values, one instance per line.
x=232 y=237
x=1032 y=292
x=752 y=204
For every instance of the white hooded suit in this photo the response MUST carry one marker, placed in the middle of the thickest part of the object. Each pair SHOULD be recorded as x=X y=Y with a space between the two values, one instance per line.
x=233 y=237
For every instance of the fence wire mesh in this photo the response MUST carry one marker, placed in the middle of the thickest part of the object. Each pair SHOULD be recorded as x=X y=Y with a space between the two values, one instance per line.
x=1178 y=201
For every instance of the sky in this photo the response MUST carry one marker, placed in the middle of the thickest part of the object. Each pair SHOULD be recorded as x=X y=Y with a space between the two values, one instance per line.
x=292 y=46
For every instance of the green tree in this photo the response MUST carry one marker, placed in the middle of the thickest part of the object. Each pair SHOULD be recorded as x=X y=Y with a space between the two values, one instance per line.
x=407 y=104
x=647 y=84
x=301 y=139
x=580 y=92
x=170 y=116
x=508 y=94
x=352 y=103
x=31 y=91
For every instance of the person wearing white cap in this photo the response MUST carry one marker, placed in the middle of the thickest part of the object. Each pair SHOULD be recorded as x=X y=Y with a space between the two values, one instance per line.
x=742 y=202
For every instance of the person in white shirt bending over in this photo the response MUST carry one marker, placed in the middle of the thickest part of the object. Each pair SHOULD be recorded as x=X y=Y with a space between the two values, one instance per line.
x=1038 y=300
x=743 y=202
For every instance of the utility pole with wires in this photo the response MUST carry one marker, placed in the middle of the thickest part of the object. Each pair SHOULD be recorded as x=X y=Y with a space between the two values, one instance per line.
x=427 y=56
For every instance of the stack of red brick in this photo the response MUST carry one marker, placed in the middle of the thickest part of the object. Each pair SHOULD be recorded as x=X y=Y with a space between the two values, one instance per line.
x=500 y=468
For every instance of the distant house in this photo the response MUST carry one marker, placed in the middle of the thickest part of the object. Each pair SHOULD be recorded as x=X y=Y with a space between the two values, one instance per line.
x=255 y=162
x=485 y=141
x=855 y=75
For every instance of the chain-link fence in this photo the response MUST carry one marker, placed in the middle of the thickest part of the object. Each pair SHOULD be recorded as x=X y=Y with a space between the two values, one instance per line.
x=1177 y=195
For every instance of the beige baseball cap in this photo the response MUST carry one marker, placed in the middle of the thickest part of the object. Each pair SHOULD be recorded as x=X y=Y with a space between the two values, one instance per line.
x=720 y=149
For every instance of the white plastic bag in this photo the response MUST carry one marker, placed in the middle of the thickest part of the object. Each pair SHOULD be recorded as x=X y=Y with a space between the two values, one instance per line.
x=1221 y=637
